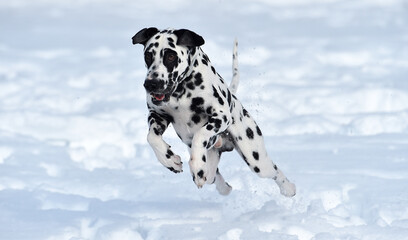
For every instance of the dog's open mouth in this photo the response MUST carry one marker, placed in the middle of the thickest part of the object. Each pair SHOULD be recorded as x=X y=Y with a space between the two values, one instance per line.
x=158 y=96
x=162 y=96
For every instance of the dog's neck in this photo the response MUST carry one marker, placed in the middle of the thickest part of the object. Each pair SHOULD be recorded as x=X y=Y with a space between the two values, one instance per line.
x=197 y=59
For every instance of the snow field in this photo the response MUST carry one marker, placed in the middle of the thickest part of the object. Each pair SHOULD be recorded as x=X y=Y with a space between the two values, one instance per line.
x=326 y=82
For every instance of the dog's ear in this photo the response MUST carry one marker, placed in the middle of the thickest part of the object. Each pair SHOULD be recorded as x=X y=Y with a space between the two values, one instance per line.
x=188 y=38
x=144 y=35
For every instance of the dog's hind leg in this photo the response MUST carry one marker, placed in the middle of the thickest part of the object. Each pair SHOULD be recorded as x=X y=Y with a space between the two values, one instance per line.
x=214 y=176
x=250 y=145
x=221 y=185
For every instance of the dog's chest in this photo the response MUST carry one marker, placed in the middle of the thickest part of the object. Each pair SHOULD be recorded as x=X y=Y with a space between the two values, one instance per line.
x=194 y=102
x=188 y=114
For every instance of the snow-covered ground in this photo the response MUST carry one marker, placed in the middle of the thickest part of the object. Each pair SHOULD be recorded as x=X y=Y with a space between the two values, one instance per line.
x=327 y=81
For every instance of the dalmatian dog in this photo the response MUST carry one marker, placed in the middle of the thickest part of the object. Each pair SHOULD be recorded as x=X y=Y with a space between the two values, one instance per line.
x=184 y=89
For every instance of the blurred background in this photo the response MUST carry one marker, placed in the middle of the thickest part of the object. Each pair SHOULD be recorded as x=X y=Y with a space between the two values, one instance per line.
x=327 y=81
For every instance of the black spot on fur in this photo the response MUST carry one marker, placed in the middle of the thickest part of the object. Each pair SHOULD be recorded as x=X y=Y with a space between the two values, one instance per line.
x=196 y=118
x=258 y=130
x=190 y=85
x=195 y=63
x=200 y=174
x=221 y=80
x=250 y=133
x=217 y=95
x=213 y=69
x=217 y=123
x=198 y=101
x=225 y=118
x=246 y=114
x=275 y=167
x=206 y=58
x=204 y=158
x=223 y=93
x=197 y=105
x=198 y=79
x=170 y=153
x=255 y=155
x=256 y=169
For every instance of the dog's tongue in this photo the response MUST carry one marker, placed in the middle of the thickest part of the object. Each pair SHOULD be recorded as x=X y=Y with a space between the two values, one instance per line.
x=159 y=97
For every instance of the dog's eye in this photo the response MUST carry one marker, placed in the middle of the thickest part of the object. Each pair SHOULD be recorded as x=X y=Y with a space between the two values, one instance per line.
x=148 y=58
x=171 y=57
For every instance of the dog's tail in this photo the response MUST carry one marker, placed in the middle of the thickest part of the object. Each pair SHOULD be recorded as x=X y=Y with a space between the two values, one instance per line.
x=235 y=73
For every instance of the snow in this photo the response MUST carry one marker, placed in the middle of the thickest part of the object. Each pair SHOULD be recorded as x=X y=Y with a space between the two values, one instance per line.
x=325 y=80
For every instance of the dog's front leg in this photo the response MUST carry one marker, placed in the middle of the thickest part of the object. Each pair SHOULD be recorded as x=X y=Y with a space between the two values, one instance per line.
x=157 y=125
x=203 y=140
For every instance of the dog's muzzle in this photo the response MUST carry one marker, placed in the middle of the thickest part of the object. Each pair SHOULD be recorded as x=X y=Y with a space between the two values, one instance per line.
x=154 y=85
x=156 y=88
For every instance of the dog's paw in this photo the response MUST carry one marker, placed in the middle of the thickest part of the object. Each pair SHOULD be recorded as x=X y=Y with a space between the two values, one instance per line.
x=199 y=178
x=199 y=173
x=288 y=189
x=172 y=162
x=224 y=189
x=175 y=164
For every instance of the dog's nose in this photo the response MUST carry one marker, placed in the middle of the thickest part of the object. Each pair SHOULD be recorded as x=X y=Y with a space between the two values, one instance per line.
x=153 y=85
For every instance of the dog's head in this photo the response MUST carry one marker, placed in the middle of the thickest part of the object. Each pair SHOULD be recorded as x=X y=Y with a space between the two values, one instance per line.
x=167 y=57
